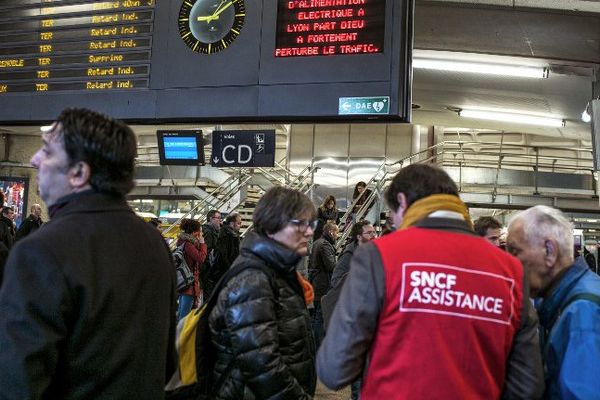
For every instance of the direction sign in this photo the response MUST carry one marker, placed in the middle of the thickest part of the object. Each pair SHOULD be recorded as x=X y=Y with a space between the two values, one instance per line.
x=252 y=148
x=364 y=105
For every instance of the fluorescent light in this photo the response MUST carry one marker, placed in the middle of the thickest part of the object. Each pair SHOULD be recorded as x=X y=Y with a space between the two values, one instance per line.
x=481 y=68
x=511 y=117
x=585 y=115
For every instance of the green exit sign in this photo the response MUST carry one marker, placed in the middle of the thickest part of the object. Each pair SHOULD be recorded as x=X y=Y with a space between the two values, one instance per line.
x=364 y=105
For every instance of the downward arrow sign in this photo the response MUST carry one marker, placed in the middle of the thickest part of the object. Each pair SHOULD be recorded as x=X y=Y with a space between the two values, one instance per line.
x=215 y=160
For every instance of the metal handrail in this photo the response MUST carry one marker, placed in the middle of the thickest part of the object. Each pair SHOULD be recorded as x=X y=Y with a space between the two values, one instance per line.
x=230 y=187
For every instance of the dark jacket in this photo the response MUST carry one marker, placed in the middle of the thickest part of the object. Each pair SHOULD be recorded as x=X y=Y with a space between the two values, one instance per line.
x=30 y=224
x=228 y=248
x=322 y=263
x=323 y=216
x=263 y=323
x=342 y=268
x=211 y=238
x=354 y=325
x=88 y=306
x=7 y=231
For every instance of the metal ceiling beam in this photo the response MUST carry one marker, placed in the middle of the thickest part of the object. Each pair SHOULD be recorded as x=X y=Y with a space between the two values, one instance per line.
x=552 y=34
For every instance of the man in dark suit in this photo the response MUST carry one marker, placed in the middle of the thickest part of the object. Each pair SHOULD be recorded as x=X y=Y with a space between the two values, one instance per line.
x=31 y=223
x=88 y=302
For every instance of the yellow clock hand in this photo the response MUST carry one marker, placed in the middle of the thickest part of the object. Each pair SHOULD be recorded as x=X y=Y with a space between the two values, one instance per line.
x=227 y=5
x=215 y=14
x=207 y=18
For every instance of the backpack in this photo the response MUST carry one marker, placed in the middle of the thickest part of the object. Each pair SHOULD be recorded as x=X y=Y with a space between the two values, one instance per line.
x=197 y=357
x=185 y=276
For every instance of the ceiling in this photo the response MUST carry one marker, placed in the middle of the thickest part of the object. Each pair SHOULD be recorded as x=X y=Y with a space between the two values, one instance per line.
x=562 y=35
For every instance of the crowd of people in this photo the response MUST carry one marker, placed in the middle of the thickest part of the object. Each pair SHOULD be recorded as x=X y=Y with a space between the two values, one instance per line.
x=434 y=309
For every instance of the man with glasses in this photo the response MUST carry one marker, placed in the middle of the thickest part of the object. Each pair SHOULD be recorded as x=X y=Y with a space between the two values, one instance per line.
x=322 y=263
x=210 y=232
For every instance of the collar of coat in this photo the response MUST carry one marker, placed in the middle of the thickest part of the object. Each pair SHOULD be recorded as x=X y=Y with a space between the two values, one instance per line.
x=88 y=201
x=272 y=253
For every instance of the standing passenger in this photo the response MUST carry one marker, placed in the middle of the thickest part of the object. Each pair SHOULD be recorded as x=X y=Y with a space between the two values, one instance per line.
x=228 y=246
x=260 y=325
x=31 y=223
x=489 y=228
x=87 y=309
x=194 y=251
x=326 y=212
x=322 y=263
x=449 y=323
x=210 y=231
x=568 y=294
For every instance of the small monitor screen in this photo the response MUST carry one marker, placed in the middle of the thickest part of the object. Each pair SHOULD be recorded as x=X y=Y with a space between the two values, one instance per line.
x=180 y=147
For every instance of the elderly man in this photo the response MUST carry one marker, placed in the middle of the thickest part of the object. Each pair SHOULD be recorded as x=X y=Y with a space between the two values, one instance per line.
x=568 y=301
x=451 y=321
x=31 y=223
x=88 y=303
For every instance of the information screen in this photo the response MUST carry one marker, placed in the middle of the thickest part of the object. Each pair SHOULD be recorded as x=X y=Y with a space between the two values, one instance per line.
x=54 y=45
x=328 y=27
x=180 y=147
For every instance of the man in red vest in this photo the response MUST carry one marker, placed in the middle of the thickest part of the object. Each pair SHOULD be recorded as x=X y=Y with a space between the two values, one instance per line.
x=432 y=311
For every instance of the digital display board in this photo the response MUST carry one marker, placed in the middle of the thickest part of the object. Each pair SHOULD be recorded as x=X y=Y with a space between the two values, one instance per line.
x=150 y=61
x=180 y=147
x=328 y=27
x=53 y=45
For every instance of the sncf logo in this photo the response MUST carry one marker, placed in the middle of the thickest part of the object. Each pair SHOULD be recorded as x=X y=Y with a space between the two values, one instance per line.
x=455 y=291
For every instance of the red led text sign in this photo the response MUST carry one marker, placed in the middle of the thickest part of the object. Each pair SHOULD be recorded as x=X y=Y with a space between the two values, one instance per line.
x=327 y=27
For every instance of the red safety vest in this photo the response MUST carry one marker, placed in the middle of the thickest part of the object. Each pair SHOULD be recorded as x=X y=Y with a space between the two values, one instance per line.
x=452 y=306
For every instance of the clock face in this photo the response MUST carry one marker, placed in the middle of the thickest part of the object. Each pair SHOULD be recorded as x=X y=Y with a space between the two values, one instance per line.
x=209 y=26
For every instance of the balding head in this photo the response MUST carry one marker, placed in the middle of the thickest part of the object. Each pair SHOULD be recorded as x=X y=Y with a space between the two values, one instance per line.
x=36 y=210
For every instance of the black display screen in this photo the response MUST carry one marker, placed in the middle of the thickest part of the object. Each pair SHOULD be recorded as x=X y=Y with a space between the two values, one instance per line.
x=180 y=147
x=53 y=45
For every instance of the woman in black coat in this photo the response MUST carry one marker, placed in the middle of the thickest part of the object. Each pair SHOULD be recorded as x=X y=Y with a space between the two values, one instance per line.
x=260 y=325
x=326 y=212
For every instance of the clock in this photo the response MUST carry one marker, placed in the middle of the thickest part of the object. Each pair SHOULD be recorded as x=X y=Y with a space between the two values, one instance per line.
x=209 y=26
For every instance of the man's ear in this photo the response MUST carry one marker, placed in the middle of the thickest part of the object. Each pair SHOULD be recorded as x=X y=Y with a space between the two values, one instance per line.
x=551 y=255
x=79 y=174
x=402 y=203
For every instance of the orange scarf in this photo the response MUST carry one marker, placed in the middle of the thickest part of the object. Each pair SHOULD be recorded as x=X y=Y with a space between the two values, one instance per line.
x=438 y=202
x=309 y=293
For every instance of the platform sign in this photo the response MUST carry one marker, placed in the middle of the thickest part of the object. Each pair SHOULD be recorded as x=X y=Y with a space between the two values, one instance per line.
x=250 y=148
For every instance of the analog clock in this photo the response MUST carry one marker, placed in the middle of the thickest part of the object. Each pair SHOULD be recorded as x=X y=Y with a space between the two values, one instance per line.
x=209 y=26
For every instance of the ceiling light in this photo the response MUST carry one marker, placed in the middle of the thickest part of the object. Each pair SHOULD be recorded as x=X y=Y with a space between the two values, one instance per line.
x=585 y=115
x=481 y=68
x=512 y=117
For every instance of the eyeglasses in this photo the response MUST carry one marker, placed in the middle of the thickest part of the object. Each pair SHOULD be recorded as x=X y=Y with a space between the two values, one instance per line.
x=302 y=225
x=371 y=233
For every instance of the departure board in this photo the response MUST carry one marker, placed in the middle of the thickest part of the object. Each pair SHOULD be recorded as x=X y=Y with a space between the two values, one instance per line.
x=56 y=45
x=156 y=61
x=329 y=27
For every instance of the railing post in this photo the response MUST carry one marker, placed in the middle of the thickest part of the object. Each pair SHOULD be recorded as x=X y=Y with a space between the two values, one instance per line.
x=536 y=170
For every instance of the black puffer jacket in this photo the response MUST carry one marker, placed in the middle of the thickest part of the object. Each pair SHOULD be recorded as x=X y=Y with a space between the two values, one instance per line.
x=263 y=322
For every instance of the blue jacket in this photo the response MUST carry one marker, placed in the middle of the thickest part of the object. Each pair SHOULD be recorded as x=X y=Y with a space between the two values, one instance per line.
x=571 y=345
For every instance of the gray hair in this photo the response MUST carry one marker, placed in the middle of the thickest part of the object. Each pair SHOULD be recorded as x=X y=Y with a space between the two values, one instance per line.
x=542 y=222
